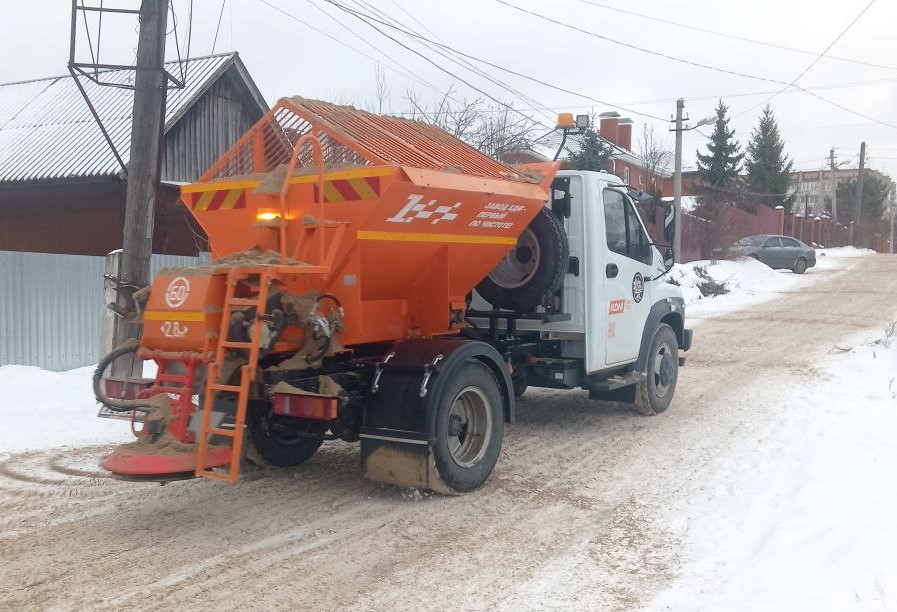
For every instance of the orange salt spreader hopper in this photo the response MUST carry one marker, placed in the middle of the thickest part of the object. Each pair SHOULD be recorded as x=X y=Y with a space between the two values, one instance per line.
x=396 y=218
x=396 y=221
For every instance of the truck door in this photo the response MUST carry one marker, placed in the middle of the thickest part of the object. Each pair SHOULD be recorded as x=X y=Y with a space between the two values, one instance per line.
x=628 y=259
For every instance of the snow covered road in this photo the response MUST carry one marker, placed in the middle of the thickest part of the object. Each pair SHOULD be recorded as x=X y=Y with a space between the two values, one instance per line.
x=590 y=507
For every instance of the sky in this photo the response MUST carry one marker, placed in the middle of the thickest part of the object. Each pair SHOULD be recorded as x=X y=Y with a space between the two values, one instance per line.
x=333 y=56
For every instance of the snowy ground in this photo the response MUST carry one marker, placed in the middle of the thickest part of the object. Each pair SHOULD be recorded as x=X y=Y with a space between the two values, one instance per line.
x=48 y=410
x=767 y=485
x=804 y=517
x=45 y=410
x=749 y=281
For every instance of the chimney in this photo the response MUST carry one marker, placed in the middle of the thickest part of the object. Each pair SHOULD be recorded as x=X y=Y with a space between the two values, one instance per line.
x=609 y=126
x=625 y=134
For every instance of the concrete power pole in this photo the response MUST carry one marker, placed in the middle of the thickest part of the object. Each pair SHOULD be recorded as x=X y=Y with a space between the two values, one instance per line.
x=858 y=222
x=147 y=131
x=833 y=183
x=677 y=184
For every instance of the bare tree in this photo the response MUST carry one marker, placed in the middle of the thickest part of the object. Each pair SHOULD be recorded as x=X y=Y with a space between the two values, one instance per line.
x=656 y=156
x=383 y=89
x=493 y=129
x=458 y=118
x=501 y=132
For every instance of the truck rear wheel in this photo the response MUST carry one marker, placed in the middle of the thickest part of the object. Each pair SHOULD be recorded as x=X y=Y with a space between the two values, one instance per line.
x=654 y=394
x=281 y=445
x=469 y=427
x=532 y=269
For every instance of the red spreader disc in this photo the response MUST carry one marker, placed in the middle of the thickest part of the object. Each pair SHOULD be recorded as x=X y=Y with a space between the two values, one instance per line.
x=124 y=462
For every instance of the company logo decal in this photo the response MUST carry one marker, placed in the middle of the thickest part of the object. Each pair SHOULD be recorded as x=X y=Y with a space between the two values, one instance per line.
x=638 y=287
x=617 y=307
x=177 y=292
x=431 y=211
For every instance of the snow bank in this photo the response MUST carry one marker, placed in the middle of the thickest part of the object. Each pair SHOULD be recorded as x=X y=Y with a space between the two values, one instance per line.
x=847 y=251
x=40 y=409
x=806 y=518
x=749 y=282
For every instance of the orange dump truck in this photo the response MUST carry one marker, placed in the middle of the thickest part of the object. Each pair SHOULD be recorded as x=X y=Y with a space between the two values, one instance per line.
x=338 y=304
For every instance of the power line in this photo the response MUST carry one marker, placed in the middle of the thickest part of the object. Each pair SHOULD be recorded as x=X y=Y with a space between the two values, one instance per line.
x=502 y=68
x=847 y=85
x=637 y=48
x=575 y=105
x=364 y=17
x=813 y=63
x=416 y=20
x=825 y=127
x=218 y=27
x=345 y=44
x=716 y=69
x=731 y=36
x=388 y=61
x=359 y=16
x=456 y=59
x=850 y=110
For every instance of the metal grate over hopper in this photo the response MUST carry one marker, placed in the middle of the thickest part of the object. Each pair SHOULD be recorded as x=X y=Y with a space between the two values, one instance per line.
x=352 y=137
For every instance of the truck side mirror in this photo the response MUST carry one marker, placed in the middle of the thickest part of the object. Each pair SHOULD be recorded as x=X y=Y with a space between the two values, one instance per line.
x=669 y=257
x=669 y=221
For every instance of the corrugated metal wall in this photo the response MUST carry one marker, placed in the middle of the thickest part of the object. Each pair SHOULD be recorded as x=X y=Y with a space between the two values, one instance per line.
x=51 y=307
x=214 y=123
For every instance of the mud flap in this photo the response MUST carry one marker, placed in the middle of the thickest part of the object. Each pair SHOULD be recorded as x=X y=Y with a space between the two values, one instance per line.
x=399 y=425
x=401 y=464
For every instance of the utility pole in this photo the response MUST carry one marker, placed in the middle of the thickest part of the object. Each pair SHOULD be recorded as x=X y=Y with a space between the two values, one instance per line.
x=144 y=167
x=891 y=241
x=858 y=223
x=677 y=185
x=833 y=184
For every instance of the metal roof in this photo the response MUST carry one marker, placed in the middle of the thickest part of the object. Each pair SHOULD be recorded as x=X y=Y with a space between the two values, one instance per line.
x=47 y=132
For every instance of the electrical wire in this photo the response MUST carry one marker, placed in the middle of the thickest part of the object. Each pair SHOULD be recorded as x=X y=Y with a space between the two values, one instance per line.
x=722 y=70
x=496 y=66
x=345 y=44
x=394 y=66
x=436 y=65
x=640 y=49
x=218 y=27
x=461 y=62
x=818 y=57
x=731 y=36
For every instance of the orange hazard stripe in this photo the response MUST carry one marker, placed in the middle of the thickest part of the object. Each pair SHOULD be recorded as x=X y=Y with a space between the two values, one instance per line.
x=226 y=199
x=350 y=189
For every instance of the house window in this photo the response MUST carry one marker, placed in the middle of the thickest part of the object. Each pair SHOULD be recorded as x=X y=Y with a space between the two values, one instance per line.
x=626 y=174
x=641 y=179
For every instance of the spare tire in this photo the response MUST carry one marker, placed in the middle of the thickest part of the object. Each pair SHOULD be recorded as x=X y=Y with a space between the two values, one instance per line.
x=531 y=270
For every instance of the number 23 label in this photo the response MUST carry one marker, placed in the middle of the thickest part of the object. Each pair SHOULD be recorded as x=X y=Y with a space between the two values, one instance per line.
x=173 y=329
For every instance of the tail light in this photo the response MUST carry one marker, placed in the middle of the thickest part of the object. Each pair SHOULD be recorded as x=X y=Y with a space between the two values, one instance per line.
x=317 y=407
x=126 y=388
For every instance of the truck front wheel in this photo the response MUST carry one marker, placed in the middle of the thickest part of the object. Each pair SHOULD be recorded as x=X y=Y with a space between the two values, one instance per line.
x=654 y=394
x=469 y=427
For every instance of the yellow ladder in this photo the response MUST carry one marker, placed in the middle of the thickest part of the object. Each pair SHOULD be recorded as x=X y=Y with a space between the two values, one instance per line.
x=247 y=374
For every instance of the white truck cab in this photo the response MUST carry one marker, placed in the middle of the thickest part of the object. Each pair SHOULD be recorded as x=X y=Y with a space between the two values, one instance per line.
x=612 y=324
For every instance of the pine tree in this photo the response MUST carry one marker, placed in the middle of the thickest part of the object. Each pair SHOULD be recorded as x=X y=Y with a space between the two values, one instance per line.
x=593 y=154
x=768 y=168
x=722 y=163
